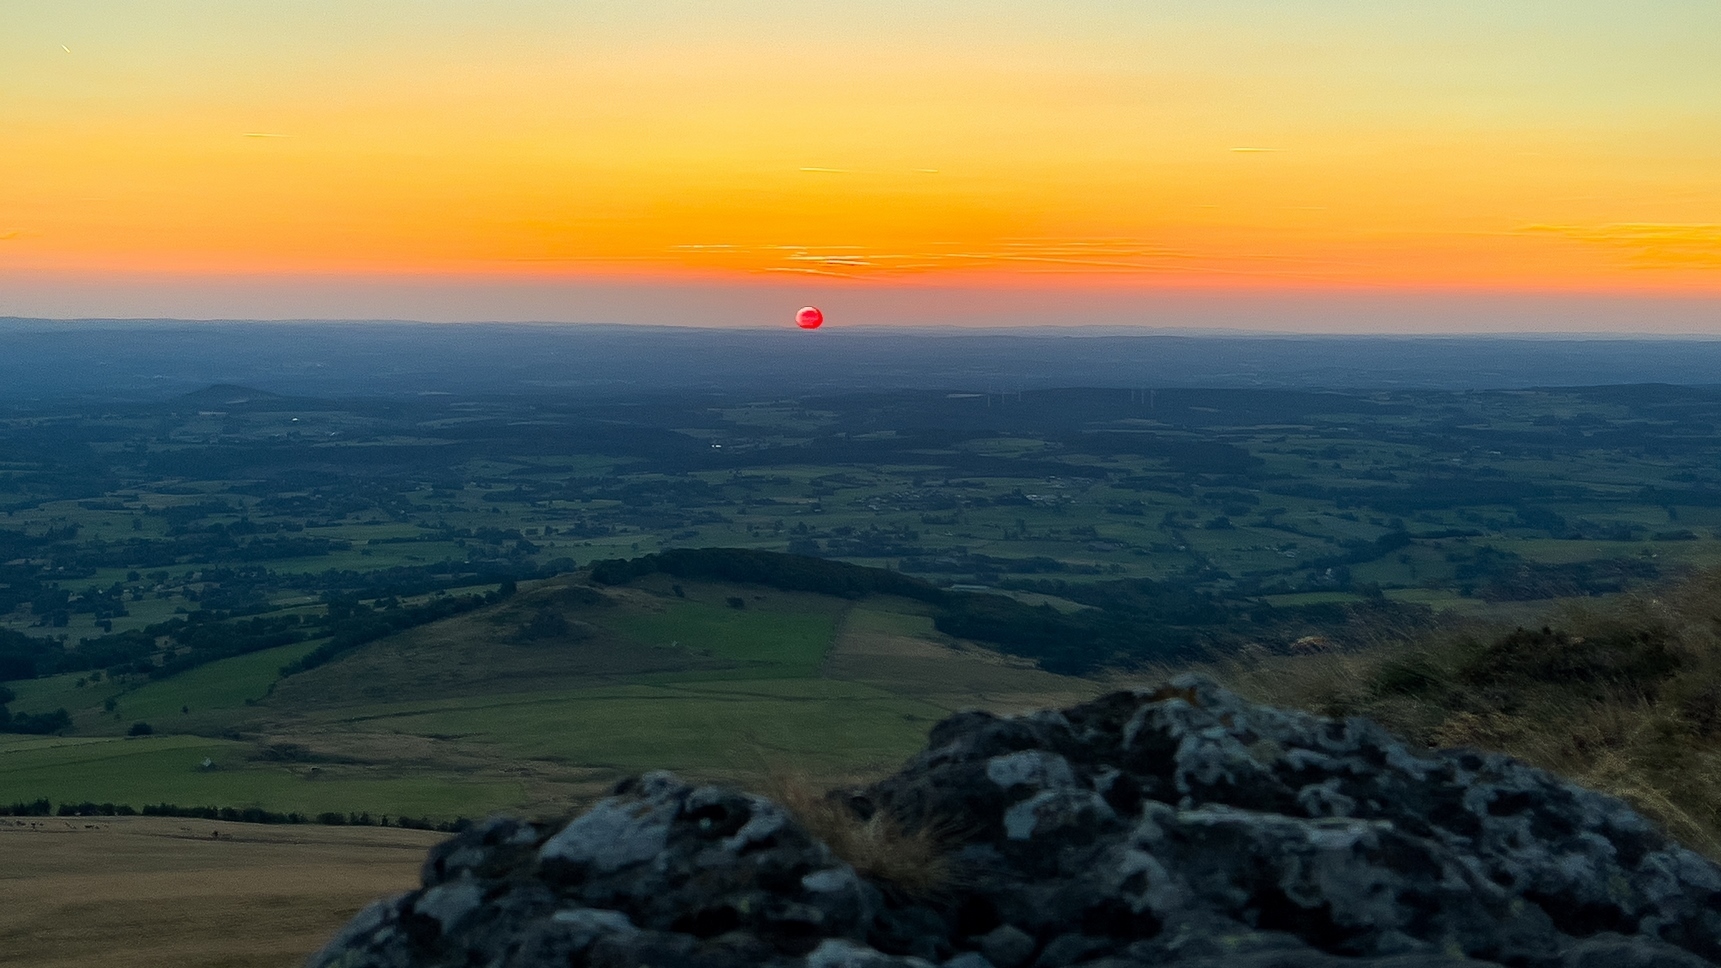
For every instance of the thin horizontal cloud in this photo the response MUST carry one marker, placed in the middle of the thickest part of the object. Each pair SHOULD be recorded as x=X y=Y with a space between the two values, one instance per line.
x=1089 y=263
x=832 y=260
x=810 y=272
x=1653 y=245
x=1030 y=256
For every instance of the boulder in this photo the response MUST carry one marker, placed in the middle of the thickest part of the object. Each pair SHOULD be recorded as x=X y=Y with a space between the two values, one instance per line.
x=1178 y=826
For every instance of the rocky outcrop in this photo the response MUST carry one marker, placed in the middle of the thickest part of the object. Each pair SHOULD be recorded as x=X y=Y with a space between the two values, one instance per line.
x=1182 y=826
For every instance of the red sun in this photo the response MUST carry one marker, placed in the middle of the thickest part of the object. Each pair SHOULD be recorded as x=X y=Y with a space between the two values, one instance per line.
x=809 y=318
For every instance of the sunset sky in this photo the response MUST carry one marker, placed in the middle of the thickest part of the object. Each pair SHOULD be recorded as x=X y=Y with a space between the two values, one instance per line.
x=1350 y=164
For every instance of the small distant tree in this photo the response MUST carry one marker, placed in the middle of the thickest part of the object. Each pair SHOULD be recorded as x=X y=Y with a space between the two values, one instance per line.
x=735 y=601
x=140 y=729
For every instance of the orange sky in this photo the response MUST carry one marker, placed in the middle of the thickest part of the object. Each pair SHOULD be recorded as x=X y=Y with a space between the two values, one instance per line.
x=1089 y=147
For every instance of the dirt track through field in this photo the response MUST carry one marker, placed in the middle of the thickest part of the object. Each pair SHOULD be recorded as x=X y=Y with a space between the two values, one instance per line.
x=151 y=892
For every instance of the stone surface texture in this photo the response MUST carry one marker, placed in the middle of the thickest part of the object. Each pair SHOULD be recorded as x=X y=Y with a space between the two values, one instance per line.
x=1179 y=826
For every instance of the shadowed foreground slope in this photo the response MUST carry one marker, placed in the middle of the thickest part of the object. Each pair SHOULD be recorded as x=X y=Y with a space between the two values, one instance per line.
x=1180 y=826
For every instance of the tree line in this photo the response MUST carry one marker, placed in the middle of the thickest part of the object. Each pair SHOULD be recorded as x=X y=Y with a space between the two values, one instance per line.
x=35 y=724
x=44 y=808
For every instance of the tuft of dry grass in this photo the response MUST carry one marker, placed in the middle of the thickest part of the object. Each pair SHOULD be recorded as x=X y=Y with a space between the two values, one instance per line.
x=1621 y=696
x=880 y=847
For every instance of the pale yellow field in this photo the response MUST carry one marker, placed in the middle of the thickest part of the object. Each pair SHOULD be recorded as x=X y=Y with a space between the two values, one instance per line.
x=147 y=892
x=902 y=653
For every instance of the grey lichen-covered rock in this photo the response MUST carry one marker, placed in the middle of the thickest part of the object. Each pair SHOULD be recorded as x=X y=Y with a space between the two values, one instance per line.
x=1182 y=826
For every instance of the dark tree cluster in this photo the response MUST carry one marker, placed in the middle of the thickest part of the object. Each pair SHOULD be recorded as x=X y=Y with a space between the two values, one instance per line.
x=38 y=724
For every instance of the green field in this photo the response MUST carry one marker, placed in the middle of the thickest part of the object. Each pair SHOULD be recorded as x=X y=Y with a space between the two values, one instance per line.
x=757 y=642
x=727 y=692
x=190 y=698
x=133 y=523
x=168 y=769
x=696 y=726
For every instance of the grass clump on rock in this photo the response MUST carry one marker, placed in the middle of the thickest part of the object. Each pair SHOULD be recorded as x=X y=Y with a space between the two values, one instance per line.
x=874 y=842
x=1623 y=697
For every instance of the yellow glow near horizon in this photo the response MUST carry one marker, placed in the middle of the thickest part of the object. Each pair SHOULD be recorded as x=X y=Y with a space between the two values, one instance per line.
x=1241 y=144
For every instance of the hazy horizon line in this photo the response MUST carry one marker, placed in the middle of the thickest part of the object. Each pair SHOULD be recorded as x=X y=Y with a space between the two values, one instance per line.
x=898 y=329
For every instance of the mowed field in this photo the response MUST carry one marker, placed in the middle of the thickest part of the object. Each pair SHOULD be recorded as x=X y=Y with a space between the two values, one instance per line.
x=536 y=705
x=146 y=892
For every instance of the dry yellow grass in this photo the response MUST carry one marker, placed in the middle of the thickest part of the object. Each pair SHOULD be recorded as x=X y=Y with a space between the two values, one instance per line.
x=900 y=652
x=879 y=847
x=1624 y=697
x=150 y=892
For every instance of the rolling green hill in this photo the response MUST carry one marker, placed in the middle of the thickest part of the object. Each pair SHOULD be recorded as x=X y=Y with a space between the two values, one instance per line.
x=530 y=704
x=542 y=699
